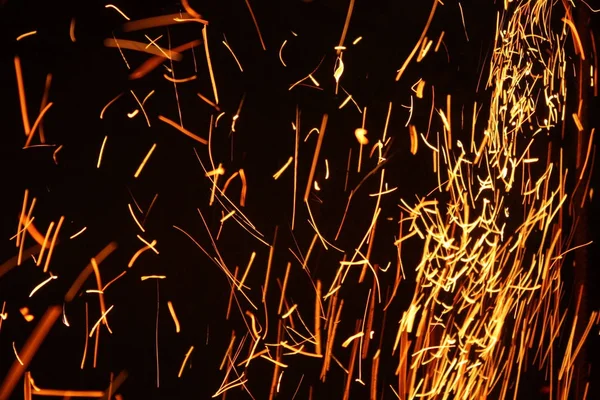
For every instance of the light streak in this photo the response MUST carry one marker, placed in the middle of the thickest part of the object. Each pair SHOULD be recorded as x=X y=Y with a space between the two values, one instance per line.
x=182 y=130
x=141 y=167
x=175 y=320
x=28 y=350
x=38 y=287
x=24 y=35
x=101 y=152
x=210 y=69
x=72 y=30
x=282 y=169
x=118 y=10
x=262 y=43
x=233 y=55
x=187 y=355
x=22 y=99
x=315 y=157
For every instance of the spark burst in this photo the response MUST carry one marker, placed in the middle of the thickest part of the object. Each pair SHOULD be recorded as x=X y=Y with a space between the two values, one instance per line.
x=490 y=240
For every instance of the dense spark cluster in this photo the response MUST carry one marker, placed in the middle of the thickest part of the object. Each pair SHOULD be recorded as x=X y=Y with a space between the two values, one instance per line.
x=490 y=237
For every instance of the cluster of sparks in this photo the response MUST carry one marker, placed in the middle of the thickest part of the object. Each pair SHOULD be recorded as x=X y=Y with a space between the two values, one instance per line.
x=488 y=287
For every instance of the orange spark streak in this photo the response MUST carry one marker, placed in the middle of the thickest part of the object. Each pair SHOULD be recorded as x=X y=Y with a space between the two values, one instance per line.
x=262 y=43
x=22 y=99
x=187 y=355
x=37 y=122
x=142 y=47
x=146 y=277
x=190 y=10
x=244 y=188
x=269 y=262
x=88 y=270
x=182 y=130
x=174 y=316
x=102 y=318
x=241 y=283
x=234 y=57
x=100 y=292
x=576 y=38
x=346 y=24
x=24 y=35
x=282 y=169
x=72 y=30
x=53 y=243
x=139 y=170
x=101 y=152
x=210 y=69
x=86 y=337
x=139 y=252
x=209 y=102
x=118 y=10
x=180 y=80
x=418 y=44
x=162 y=20
x=156 y=61
x=38 y=287
x=28 y=351
x=108 y=105
x=315 y=157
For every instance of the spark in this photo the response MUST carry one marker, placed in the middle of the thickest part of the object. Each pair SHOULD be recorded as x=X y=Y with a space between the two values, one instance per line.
x=139 y=170
x=22 y=99
x=418 y=44
x=135 y=218
x=102 y=318
x=233 y=54
x=38 y=287
x=101 y=152
x=146 y=277
x=315 y=157
x=280 y=51
x=183 y=130
x=118 y=10
x=139 y=252
x=174 y=316
x=187 y=355
x=210 y=69
x=28 y=351
x=24 y=35
x=108 y=105
x=72 y=30
x=282 y=169
x=262 y=43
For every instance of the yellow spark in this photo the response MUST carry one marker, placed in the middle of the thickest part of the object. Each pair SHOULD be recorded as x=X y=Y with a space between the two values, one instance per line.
x=174 y=316
x=182 y=130
x=280 y=50
x=139 y=170
x=150 y=245
x=119 y=11
x=361 y=136
x=234 y=57
x=287 y=164
x=289 y=312
x=187 y=355
x=101 y=152
x=38 y=287
x=24 y=35
x=102 y=318
x=146 y=277
x=134 y=218
x=108 y=105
